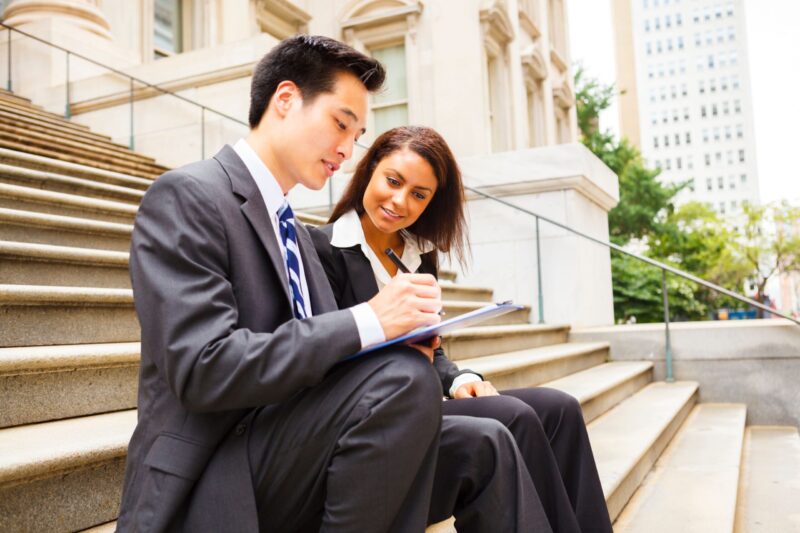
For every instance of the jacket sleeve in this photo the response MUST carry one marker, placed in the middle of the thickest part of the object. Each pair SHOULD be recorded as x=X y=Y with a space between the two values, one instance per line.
x=447 y=369
x=189 y=316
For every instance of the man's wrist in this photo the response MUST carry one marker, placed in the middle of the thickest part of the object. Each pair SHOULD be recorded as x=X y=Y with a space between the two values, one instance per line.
x=369 y=327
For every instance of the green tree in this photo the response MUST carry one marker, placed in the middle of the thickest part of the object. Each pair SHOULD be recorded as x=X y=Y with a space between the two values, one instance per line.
x=765 y=251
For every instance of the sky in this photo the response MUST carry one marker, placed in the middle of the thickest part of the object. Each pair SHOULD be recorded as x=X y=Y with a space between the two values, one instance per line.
x=774 y=59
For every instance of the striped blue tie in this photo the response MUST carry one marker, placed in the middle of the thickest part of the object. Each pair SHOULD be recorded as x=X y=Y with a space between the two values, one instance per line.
x=289 y=237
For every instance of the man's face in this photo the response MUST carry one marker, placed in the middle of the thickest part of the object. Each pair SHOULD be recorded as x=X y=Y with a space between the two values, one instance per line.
x=319 y=135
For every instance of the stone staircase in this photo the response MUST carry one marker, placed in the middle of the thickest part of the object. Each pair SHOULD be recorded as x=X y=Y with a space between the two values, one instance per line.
x=69 y=356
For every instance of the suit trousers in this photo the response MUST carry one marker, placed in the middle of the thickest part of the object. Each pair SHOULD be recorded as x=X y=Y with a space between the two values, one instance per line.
x=551 y=436
x=356 y=452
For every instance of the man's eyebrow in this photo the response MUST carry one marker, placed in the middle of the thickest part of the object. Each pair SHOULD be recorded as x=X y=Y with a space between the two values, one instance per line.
x=404 y=179
x=349 y=112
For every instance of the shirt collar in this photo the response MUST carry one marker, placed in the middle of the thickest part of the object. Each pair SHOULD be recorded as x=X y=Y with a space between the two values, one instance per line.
x=347 y=232
x=265 y=180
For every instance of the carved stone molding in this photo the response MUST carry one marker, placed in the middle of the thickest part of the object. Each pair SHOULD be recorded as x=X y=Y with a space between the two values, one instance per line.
x=496 y=25
x=281 y=18
x=534 y=65
x=563 y=96
x=83 y=13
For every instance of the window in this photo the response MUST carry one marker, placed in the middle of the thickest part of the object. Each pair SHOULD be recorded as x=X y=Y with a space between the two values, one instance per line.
x=705 y=135
x=645 y=4
x=723 y=83
x=390 y=106
x=730 y=9
x=667 y=21
x=673 y=92
x=720 y=183
x=708 y=159
x=657 y=23
x=714 y=111
x=743 y=179
x=675 y=115
x=658 y=46
x=720 y=35
x=703 y=112
x=669 y=164
x=701 y=87
x=684 y=90
x=678 y=20
x=722 y=207
x=698 y=39
x=646 y=25
x=688 y=138
x=737 y=106
x=669 y=45
x=711 y=61
x=739 y=131
x=735 y=81
x=718 y=12
x=691 y=185
x=680 y=43
x=678 y=163
x=728 y=133
x=731 y=34
x=726 y=108
x=732 y=182
x=167 y=28
x=655 y=142
x=730 y=157
x=741 y=156
x=649 y=48
x=677 y=139
x=718 y=157
x=733 y=58
x=716 y=134
x=712 y=85
x=733 y=205
x=666 y=141
x=709 y=184
x=689 y=162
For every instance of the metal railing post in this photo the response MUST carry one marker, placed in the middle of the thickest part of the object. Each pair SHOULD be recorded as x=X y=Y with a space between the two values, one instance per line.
x=539 y=273
x=8 y=80
x=202 y=132
x=130 y=139
x=668 y=340
x=67 y=110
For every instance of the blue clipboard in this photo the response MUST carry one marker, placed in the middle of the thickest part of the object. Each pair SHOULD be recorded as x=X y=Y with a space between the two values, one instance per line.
x=446 y=326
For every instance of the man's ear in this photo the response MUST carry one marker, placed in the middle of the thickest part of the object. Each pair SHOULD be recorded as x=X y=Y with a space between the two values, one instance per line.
x=286 y=95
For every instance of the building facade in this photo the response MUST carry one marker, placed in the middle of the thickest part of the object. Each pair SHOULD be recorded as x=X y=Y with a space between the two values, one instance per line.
x=490 y=75
x=688 y=105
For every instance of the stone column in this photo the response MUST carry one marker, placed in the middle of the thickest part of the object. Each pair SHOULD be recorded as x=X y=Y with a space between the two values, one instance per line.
x=84 y=14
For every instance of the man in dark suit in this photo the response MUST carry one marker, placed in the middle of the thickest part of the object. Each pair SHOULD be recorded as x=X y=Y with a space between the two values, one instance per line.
x=251 y=414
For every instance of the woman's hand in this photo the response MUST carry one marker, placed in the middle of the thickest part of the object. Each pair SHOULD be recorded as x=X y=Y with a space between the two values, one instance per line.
x=475 y=389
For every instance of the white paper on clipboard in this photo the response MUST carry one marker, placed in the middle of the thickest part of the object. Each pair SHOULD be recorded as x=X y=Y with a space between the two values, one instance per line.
x=446 y=326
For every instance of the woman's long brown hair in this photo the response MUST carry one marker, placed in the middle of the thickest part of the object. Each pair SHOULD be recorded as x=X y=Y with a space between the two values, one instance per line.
x=442 y=223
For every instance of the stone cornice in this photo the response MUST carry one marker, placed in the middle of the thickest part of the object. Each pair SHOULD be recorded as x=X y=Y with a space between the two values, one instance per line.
x=382 y=17
x=581 y=184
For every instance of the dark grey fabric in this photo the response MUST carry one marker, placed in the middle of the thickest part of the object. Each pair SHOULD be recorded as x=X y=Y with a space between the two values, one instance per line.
x=218 y=341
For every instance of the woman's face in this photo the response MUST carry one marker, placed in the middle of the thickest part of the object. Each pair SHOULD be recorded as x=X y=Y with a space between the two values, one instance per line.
x=400 y=189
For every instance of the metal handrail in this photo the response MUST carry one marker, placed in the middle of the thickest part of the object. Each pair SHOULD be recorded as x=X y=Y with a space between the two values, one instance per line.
x=664 y=269
x=133 y=80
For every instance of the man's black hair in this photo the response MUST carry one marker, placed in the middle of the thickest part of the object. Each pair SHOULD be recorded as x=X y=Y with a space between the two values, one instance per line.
x=312 y=63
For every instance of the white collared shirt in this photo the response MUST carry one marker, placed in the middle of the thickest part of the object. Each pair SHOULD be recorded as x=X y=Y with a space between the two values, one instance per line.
x=369 y=327
x=348 y=232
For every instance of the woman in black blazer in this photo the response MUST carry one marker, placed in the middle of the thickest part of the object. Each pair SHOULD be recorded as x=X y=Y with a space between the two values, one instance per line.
x=406 y=194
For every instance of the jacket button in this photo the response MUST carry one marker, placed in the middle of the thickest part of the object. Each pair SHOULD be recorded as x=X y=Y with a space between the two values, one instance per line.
x=240 y=429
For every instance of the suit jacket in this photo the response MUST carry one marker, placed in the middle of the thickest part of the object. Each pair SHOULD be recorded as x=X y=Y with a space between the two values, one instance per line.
x=218 y=340
x=353 y=282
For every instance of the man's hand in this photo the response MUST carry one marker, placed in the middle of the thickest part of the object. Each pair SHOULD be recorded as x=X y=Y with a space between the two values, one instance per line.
x=475 y=389
x=428 y=349
x=407 y=302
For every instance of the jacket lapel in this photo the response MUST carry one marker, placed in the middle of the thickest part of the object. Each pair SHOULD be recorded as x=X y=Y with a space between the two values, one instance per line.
x=254 y=210
x=322 y=299
x=360 y=274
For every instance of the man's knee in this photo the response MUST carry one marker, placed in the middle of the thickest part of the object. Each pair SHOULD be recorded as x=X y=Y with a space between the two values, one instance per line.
x=408 y=378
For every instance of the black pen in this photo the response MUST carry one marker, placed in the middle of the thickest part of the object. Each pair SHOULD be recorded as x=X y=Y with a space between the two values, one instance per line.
x=404 y=269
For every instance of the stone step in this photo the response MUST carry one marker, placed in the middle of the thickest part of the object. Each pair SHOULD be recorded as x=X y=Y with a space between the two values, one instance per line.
x=13 y=117
x=40 y=383
x=769 y=486
x=480 y=341
x=447 y=275
x=455 y=292
x=49 y=181
x=600 y=388
x=456 y=308
x=129 y=161
x=64 y=168
x=26 y=108
x=43 y=264
x=11 y=96
x=71 y=205
x=628 y=439
x=55 y=153
x=44 y=228
x=692 y=487
x=535 y=366
x=64 y=475
x=36 y=315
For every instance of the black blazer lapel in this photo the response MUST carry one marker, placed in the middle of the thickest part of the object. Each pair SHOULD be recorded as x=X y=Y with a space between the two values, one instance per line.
x=360 y=274
x=254 y=210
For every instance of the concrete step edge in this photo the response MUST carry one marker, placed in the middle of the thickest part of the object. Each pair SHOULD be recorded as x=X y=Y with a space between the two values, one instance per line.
x=73 y=169
x=627 y=370
x=506 y=363
x=501 y=331
x=44 y=449
x=705 y=454
x=38 y=295
x=84 y=225
x=63 y=254
x=71 y=200
x=621 y=473
x=42 y=178
x=28 y=359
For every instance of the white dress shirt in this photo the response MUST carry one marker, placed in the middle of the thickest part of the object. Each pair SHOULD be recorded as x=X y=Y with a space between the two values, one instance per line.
x=348 y=232
x=369 y=327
